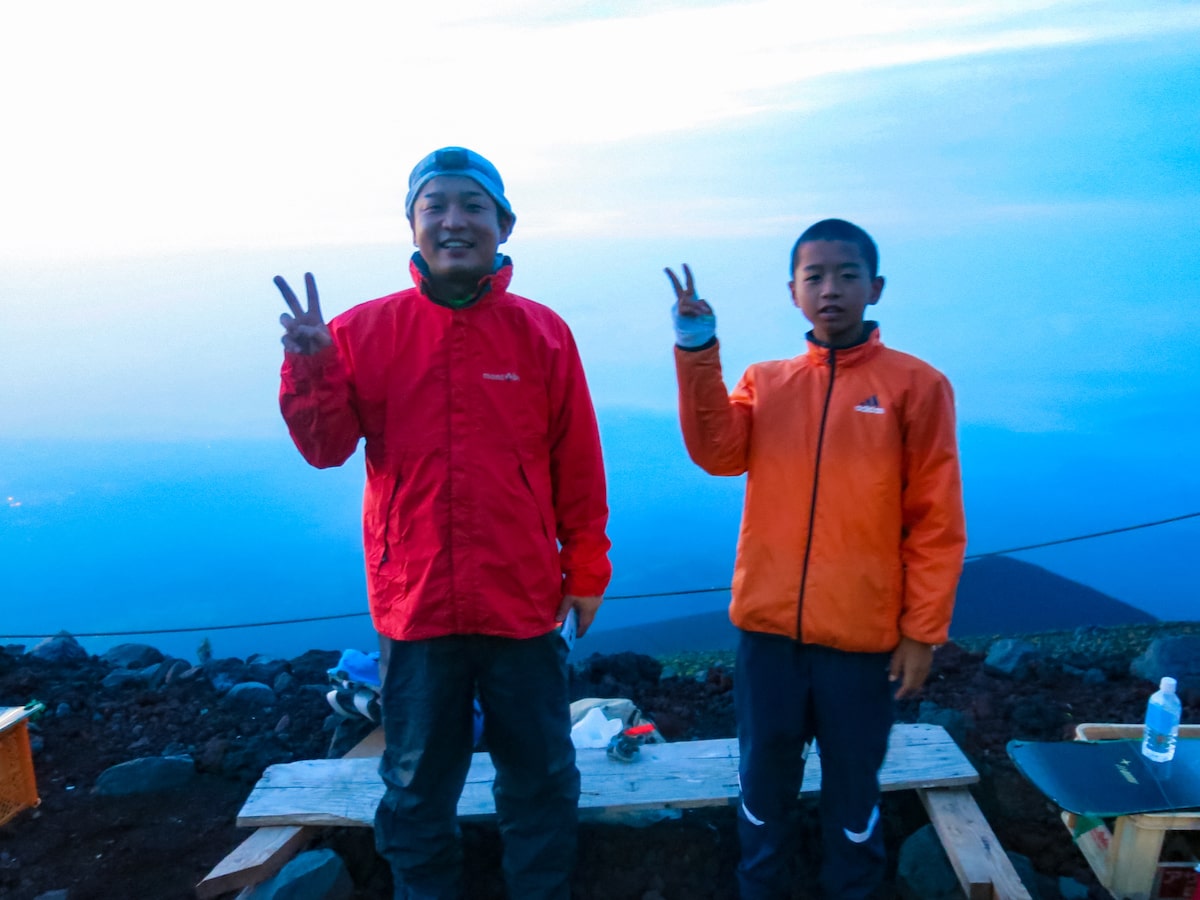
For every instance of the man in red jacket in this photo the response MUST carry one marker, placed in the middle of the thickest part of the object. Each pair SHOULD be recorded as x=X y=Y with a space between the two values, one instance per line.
x=484 y=521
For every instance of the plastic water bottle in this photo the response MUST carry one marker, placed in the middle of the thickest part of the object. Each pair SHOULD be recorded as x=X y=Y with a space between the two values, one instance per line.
x=1162 y=723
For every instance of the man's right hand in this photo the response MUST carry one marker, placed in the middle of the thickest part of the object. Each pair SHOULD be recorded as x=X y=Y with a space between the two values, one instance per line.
x=695 y=323
x=303 y=331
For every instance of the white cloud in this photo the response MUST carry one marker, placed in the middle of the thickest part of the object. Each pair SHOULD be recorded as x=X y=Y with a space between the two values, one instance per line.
x=137 y=127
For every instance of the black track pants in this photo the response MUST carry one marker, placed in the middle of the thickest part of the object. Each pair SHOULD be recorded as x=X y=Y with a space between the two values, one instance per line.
x=427 y=716
x=786 y=694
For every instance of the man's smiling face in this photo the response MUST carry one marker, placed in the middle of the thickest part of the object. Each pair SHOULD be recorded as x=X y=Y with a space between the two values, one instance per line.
x=457 y=226
x=833 y=288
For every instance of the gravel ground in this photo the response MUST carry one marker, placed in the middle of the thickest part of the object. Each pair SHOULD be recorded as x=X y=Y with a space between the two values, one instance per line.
x=160 y=846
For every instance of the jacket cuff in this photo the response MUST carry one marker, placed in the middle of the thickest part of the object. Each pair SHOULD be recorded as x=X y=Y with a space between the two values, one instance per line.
x=709 y=343
x=301 y=368
x=586 y=584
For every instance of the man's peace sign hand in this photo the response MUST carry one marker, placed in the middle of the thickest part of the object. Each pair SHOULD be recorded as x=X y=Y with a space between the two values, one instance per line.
x=303 y=331
x=688 y=303
x=695 y=323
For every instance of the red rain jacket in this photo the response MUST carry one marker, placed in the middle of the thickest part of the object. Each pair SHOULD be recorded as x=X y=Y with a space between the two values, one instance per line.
x=852 y=532
x=485 y=496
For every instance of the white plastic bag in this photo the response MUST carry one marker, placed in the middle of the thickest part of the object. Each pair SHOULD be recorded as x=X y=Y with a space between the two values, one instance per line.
x=594 y=730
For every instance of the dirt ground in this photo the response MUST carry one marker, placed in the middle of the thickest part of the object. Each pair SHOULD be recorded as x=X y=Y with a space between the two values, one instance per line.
x=160 y=846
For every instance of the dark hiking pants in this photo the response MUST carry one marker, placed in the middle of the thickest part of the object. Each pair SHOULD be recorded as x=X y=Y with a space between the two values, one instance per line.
x=787 y=693
x=428 y=694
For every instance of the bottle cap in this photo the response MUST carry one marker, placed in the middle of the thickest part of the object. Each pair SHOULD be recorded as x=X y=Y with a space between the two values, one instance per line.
x=1167 y=685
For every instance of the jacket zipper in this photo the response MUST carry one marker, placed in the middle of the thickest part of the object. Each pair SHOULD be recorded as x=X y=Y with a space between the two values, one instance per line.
x=812 y=508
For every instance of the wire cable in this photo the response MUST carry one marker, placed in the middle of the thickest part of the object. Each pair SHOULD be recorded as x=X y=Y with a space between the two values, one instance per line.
x=645 y=596
x=1083 y=537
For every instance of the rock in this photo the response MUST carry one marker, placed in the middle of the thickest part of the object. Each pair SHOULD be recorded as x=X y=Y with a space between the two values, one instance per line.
x=1011 y=658
x=194 y=673
x=1095 y=677
x=62 y=648
x=1036 y=720
x=147 y=775
x=124 y=678
x=924 y=871
x=636 y=818
x=62 y=710
x=624 y=668
x=1034 y=883
x=265 y=668
x=231 y=667
x=212 y=754
x=346 y=734
x=1070 y=889
x=132 y=656
x=167 y=671
x=247 y=759
x=251 y=693
x=53 y=895
x=1178 y=657
x=223 y=683
x=315 y=875
x=314 y=665
x=283 y=682
x=952 y=720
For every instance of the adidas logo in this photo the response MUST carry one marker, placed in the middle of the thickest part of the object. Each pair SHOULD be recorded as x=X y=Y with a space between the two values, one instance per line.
x=870 y=405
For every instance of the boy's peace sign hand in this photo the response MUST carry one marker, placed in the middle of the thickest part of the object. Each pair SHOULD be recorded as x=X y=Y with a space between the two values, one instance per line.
x=686 y=300
x=695 y=324
x=303 y=331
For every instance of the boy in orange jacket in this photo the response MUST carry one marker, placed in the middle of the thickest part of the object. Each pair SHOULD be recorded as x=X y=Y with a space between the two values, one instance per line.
x=851 y=547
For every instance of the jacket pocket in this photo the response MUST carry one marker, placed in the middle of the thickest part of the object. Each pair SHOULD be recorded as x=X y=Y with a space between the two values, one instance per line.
x=548 y=531
x=538 y=565
x=387 y=531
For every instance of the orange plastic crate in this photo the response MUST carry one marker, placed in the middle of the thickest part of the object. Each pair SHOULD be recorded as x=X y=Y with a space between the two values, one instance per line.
x=18 y=787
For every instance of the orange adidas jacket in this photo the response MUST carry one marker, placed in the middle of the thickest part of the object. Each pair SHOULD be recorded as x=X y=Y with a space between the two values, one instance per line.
x=852 y=532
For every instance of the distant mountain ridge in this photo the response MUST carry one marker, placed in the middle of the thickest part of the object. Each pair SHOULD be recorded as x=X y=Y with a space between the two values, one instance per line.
x=1000 y=595
x=996 y=595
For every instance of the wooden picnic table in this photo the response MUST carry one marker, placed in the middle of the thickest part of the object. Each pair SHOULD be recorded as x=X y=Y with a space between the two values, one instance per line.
x=682 y=775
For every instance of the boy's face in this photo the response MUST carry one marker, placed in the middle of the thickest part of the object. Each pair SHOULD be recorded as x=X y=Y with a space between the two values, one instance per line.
x=457 y=227
x=833 y=287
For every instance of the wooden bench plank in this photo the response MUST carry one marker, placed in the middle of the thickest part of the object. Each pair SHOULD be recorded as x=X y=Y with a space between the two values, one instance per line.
x=255 y=859
x=268 y=849
x=685 y=774
x=983 y=868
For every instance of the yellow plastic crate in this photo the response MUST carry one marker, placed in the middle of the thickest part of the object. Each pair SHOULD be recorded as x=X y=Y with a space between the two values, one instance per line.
x=18 y=787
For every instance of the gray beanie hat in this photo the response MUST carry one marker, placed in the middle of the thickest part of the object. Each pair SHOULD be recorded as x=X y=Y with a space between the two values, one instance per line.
x=457 y=161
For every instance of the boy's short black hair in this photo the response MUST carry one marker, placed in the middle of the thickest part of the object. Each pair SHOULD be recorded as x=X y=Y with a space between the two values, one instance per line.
x=839 y=230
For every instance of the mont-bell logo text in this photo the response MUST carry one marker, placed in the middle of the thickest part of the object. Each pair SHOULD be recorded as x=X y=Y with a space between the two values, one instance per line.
x=870 y=405
x=508 y=376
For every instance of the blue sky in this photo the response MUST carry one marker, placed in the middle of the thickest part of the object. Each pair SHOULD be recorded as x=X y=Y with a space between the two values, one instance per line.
x=1031 y=172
